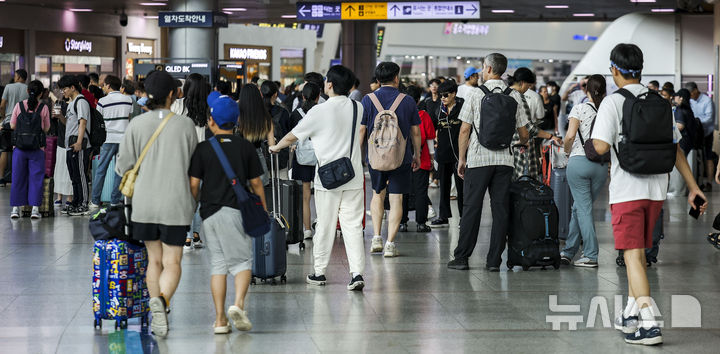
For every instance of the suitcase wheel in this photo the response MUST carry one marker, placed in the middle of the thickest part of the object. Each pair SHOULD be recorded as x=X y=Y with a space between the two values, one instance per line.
x=283 y=279
x=556 y=265
x=620 y=261
x=525 y=268
x=302 y=245
x=122 y=324
x=253 y=281
x=97 y=324
x=509 y=265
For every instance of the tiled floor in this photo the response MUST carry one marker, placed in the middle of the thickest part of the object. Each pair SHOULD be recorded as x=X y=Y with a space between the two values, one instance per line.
x=412 y=303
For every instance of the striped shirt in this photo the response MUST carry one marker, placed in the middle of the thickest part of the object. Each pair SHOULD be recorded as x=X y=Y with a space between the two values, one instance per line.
x=115 y=109
x=478 y=155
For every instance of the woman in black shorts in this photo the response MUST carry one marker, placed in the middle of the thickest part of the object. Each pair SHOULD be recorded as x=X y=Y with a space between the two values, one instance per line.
x=304 y=173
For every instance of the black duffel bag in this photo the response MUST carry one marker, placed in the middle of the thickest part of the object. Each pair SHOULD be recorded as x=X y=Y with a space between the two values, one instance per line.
x=110 y=223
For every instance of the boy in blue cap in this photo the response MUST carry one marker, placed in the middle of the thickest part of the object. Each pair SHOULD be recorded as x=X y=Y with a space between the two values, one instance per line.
x=472 y=79
x=229 y=245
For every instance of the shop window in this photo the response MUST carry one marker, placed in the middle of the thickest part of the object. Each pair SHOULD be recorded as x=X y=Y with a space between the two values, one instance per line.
x=292 y=65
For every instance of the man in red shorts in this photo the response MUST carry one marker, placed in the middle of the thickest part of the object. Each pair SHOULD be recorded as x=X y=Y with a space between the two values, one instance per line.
x=635 y=198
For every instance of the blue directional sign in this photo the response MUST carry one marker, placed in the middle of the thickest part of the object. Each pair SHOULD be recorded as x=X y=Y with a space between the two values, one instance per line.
x=192 y=19
x=433 y=10
x=319 y=11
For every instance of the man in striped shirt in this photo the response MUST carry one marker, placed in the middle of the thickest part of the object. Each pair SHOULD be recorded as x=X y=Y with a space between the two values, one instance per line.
x=116 y=109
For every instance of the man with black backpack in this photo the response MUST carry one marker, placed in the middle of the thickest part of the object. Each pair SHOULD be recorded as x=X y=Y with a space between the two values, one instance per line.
x=637 y=126
x=77 y=139
x=490 y=119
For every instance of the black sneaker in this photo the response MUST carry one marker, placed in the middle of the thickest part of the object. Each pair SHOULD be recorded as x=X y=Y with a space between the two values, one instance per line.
x=316 y=279
x=402 y=228
x=643 y=336
x=492 y=268
x=78 y=211
x=356 y=284
x=439 y=223
x=423 y=228
x=459 y=264
x=565 y=260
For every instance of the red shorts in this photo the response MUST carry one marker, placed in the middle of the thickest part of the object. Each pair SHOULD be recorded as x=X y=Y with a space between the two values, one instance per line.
x=633 y=223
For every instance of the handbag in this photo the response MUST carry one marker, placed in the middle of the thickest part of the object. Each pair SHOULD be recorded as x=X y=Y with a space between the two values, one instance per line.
x=127 y=184
x=304 y=152
x=256 y=221
x=340 y=171
x=111 y=223
x=588 y=146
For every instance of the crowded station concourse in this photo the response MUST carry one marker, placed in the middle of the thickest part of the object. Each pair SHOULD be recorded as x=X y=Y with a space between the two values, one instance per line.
x=233 y=176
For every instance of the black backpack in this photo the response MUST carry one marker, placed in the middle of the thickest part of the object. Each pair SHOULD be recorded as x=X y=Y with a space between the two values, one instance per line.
x=279 y=133
x=28 y=133
x=647 y=145
x=497 y=122
x=97 y=133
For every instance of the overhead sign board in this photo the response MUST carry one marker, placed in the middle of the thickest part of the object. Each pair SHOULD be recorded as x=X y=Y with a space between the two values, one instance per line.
x=400 y=10
x=192 y=19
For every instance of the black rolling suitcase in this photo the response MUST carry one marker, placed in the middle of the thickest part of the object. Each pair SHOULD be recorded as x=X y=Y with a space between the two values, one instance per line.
x=533 y=232
x=290 y=205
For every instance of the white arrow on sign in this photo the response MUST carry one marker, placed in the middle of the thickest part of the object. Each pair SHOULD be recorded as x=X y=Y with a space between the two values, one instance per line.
x=302 y=11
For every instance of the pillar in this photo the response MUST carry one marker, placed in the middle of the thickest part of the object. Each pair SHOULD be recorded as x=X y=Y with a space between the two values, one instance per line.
x=359 y=51
x=193 y=42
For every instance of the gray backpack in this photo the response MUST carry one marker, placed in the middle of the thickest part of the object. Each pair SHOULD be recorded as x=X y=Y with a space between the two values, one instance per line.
x=304 y=151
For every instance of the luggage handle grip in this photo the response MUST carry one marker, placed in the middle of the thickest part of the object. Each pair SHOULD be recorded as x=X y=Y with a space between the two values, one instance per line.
x=275 y=183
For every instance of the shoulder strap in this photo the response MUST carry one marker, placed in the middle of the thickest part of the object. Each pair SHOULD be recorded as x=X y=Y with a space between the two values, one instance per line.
x=240 y=192
x=302 y=113
x=508 y=91
x=397 y=102
x=592 y=125
x=376 y=102
x=626 y=93
x=352 y=134
x=151 y=141
x=484 y=89
x=22 y=108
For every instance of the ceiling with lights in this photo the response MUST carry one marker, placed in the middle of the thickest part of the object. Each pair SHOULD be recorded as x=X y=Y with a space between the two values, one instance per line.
x=241 y=11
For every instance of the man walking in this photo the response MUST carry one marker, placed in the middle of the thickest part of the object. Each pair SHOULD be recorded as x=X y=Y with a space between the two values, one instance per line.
x=702 y=106
x=13 y=93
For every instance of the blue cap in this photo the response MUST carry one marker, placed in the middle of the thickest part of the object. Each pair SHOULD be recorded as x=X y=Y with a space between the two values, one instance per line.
x=470 y=72
x=224 y=110
x=212 y=97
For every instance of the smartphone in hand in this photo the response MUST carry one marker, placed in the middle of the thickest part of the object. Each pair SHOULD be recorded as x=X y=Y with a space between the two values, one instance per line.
x=695 y=213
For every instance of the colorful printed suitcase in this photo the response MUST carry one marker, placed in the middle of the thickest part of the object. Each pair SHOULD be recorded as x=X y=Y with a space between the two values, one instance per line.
x=119 y=288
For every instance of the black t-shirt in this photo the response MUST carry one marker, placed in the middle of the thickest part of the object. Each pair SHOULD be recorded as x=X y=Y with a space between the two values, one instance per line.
x=216 y=189
x=548 y=121
x=430 y=106
x=685 y=116
x=448 y=131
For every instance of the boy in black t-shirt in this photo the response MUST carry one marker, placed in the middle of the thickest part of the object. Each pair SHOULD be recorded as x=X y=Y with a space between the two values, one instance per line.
x=230 y=247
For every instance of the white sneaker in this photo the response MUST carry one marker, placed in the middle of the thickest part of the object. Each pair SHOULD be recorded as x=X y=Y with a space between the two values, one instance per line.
x=431 y=212
x=377 y=244
x=15 y=213
x=308 y=234
x=93 y=206
x=390 y=250
x=239 y=318
x=159 y=323
x=35 y=214
x=433 y=184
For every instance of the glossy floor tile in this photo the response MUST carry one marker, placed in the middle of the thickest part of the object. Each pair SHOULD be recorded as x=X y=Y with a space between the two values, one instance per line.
x=411 y=304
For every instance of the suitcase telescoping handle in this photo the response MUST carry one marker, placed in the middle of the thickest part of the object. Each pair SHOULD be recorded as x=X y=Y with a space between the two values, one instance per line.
x=275 y=184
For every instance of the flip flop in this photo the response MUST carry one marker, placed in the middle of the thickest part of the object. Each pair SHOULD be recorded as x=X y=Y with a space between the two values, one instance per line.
x=714 y=239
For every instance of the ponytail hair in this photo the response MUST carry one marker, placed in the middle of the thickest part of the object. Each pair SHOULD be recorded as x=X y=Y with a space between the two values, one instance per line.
x=268 y=90
x=596 y=88
x=310 y=94
x=522 y=75
x=35 y=90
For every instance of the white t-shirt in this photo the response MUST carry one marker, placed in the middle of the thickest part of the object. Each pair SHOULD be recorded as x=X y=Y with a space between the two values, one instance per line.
x=463 y=90
x=625 y=186
x=577 y=97
x=329 y=125
x=178 y=107
x=586 y=115
x=535 y=102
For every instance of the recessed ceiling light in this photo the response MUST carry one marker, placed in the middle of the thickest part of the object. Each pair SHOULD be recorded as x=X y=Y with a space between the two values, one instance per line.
x=662 y=10
x=584 y=15
x=227 y=12
x=235 y=9
x=641 y=1
x=151 y=17
x=556 y=6
x=503 y=11
x=289 y=16
x=81 y=10
x=153 y=4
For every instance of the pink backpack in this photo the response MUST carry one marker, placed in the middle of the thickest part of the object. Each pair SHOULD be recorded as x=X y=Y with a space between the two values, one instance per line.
x=386 y=143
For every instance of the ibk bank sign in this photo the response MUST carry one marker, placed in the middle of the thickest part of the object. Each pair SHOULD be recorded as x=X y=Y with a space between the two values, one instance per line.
x=72 y=45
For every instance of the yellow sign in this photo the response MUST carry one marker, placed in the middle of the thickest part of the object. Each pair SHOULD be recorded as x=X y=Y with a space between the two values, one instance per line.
x=364 y=10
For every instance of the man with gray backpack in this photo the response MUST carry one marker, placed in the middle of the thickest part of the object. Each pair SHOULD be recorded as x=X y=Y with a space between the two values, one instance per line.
x=390 y=119
x=490 y=118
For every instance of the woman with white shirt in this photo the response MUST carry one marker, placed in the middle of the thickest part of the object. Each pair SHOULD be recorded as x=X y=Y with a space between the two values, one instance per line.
x=586 y=178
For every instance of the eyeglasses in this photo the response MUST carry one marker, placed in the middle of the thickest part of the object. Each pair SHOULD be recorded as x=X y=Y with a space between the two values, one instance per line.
x=446 y=94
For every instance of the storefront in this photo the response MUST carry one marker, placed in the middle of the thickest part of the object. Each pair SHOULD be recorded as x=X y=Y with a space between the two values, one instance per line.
x=258 y=59
x=11 y=47
x=137 y=48
x=68 y=53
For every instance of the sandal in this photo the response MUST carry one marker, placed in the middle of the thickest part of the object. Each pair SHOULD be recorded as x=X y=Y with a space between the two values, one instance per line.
x=714 y=239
